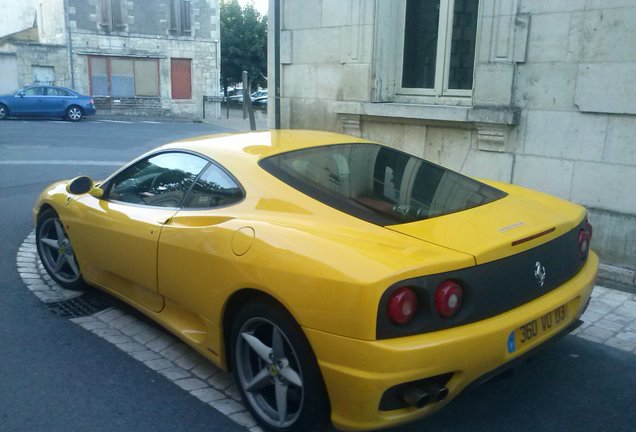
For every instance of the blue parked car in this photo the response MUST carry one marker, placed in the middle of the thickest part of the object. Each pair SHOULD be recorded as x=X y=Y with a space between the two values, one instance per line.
x=46 y=101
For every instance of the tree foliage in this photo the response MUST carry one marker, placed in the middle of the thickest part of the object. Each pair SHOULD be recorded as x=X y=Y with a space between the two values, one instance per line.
x=243 y=43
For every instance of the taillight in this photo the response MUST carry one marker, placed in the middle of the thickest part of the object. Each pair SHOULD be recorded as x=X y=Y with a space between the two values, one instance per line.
x=91 y=102
x=448 y=298
x=585 y=236
x=402 y=305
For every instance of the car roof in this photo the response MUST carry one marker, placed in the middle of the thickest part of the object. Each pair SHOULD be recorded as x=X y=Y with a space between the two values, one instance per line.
x=48 y=86
x=259 y=145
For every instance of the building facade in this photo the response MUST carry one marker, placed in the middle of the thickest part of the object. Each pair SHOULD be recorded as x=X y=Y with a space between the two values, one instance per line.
x=536 y=93
x=142 y=57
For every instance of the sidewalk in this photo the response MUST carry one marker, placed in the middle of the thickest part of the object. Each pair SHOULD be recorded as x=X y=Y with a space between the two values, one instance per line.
x=610 y=319
x=235 y=121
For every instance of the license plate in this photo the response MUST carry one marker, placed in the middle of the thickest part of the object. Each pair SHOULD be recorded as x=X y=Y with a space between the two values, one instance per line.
x=532 y=330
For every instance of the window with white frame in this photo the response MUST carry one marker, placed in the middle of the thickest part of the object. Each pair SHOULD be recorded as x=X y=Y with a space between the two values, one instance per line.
x=437 y=48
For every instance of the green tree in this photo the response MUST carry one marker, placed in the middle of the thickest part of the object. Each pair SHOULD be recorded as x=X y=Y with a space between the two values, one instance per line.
x=243 y=44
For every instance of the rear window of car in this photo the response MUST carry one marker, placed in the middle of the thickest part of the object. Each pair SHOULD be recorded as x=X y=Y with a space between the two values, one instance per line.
x=53 y=91
x=378 y=184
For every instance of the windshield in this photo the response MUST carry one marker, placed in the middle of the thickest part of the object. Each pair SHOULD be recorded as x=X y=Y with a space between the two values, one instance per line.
x=378 y=184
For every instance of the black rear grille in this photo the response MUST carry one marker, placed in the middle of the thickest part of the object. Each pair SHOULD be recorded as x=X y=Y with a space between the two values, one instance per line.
x=489 y=289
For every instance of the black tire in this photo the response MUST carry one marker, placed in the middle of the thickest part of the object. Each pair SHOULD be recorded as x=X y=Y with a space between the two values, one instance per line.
x=74 y=113
x=306 y=406
x=54 y=247
x=4 y=112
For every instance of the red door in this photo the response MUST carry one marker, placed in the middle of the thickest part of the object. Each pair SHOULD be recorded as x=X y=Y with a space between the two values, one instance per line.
x=181 y=81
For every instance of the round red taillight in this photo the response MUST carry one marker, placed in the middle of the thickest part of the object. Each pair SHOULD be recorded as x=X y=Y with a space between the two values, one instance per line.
x=448 y=298
x=585 y=235
x=402 y=305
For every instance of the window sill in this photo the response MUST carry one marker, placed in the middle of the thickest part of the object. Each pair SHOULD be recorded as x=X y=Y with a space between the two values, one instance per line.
x=496 y=115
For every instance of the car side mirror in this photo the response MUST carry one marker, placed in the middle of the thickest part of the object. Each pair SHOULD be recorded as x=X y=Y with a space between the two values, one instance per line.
x=82 y=185
x=20 y=94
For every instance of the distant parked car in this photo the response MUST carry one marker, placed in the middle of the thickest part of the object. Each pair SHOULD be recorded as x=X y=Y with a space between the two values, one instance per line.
x=46 y=101
x=237 y=98
x=231 y=91
x=259 y=94
x=260 y=102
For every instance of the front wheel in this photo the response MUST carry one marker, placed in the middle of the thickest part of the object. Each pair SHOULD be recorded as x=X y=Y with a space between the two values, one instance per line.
x=56 y=252
x=276 y=370
x=3 y=112
x=74 y=113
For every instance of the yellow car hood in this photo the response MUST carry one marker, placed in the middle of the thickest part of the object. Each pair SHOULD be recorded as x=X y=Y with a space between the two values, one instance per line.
x=520 y=221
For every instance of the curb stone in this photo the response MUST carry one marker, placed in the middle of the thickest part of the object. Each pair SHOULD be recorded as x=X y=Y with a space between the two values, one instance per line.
x=615 y=277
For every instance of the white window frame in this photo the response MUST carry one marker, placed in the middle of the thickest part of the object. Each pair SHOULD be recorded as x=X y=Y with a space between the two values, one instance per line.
x=440 y=92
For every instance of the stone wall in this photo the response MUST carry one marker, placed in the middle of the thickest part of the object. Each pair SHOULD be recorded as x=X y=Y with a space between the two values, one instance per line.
x=147 y=106
x=552 y=106
x=33 y=54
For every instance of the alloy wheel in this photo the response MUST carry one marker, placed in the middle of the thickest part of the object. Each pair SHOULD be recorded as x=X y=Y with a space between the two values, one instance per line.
x=56 y=251
x=269 y=372
x=3 y=112
x=75 y=114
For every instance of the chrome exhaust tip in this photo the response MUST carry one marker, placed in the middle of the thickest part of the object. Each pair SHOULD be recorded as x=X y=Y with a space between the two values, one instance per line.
x=420 y=395
x=416 y=396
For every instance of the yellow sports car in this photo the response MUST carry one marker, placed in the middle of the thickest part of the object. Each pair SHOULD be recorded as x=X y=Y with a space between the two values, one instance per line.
x=339 y=279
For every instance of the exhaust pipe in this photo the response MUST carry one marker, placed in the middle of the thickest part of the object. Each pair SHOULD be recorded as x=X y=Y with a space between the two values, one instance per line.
x=420 y=395
x=416 y=396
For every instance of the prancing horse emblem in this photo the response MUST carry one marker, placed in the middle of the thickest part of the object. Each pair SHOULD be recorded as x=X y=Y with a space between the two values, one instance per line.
x=539 y=273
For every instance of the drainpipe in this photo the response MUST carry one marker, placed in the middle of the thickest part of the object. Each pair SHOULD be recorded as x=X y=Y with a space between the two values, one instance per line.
x=69 y=44
x=277 y=66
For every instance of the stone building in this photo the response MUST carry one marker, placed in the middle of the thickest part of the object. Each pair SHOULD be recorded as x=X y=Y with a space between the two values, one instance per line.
x=142 y=57
x=538 y=93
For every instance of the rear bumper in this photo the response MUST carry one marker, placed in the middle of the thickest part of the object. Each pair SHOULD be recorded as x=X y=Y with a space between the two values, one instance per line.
x=89 y=110
x=356 y=382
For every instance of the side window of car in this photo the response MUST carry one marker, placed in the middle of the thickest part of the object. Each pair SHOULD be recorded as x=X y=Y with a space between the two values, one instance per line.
x=215 y=188
x=161 y=180
x=52 y=91
x=387 y=176
x=34 y=91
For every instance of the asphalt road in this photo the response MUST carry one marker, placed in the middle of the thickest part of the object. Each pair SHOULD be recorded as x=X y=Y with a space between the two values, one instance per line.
x=56 y=376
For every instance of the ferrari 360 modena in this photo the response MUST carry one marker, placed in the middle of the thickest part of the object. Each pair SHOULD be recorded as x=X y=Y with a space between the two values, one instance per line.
x=342 y=281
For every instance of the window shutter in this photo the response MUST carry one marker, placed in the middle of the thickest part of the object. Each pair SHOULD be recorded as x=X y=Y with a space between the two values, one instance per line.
x=105 y=18
x=118 y=14
x=180 y=75
x=186 y=26
x=174 y=16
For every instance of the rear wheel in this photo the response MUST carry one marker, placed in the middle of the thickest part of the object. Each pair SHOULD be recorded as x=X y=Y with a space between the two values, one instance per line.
x=56 y=252
x=276 y=370
x=4 y=112
x=74 y=113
